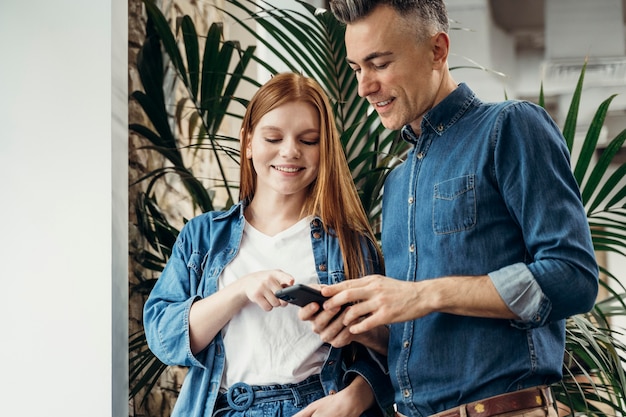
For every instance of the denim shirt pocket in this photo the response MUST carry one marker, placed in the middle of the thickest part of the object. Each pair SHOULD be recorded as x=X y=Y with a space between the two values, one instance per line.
x=454 y=205
x=194 y=266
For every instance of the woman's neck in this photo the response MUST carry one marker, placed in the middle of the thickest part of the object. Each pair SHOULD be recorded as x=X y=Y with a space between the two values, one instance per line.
x=272 y=218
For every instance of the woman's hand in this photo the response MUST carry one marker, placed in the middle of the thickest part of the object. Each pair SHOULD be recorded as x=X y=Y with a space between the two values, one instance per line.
x=259 y=287
x=351 y=401
x=209 y=315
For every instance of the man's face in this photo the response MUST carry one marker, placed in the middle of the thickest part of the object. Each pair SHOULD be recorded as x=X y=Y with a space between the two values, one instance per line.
x=394 y=70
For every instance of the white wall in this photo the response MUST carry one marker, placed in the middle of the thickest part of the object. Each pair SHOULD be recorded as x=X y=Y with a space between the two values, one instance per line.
x=56 y=158
x=575 y=28
x=476 y=42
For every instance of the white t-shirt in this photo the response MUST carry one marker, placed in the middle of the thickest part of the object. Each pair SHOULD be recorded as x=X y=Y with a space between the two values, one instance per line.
x=275 y=347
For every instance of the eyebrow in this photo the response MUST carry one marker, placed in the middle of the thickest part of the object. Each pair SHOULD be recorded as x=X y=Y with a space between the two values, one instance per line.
x=279 y=130
x=371 y=56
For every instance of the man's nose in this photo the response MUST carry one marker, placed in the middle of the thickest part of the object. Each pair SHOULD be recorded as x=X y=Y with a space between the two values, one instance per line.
x=367 y=83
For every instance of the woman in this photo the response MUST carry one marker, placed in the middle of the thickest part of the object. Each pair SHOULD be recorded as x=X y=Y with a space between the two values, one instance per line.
x=299 y=220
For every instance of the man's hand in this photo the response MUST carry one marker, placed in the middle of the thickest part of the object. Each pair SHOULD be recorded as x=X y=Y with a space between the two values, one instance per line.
x=377 y=300
x=380 y=300
x=328 y=324
x=333 y=327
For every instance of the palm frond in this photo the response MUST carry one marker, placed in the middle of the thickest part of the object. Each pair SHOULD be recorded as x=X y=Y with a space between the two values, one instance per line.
x=594 y=380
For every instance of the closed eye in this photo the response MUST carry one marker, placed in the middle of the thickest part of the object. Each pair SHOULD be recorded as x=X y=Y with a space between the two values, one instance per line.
x=381 y=66
x=310 y=142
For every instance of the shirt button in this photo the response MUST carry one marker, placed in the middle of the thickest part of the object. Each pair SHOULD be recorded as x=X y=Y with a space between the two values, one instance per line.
x=420 y=155
x=407 y=393
x=332 y=392
x=440 y=128
x=411 y=200
x=316 y=235
x=406 y=344
x=412 y=248
x=322 y=267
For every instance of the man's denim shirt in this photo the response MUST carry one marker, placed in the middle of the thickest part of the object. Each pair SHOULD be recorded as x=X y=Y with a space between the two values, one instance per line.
x=487 y=189
x=203 y=248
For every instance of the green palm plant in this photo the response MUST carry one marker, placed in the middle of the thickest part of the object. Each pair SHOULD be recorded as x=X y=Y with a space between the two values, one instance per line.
x=311 y=42
x=594 y=379
x=209 y=88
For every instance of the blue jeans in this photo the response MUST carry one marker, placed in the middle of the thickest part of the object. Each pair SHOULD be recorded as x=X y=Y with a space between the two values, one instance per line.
x=268 y=400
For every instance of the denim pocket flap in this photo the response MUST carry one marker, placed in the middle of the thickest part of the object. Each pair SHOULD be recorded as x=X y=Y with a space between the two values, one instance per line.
x=454 y=205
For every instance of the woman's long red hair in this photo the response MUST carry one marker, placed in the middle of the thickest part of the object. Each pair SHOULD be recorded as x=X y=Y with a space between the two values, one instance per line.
x=333 y=196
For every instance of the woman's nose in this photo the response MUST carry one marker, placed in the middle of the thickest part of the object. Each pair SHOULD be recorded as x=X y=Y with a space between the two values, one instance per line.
x=290 y=148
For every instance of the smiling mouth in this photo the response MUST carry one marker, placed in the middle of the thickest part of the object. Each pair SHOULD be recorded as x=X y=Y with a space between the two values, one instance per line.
x=287 y=169
x=383 y=103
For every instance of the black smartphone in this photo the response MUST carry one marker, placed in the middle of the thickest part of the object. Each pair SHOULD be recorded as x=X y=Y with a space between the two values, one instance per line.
x=301 y=295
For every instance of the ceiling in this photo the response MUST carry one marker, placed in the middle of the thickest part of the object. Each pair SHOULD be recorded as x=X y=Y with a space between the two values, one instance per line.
x=513 y=15
x=525 y=19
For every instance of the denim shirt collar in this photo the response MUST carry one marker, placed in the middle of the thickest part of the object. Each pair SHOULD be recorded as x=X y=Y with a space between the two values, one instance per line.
x=441 y=117
x=236 y=209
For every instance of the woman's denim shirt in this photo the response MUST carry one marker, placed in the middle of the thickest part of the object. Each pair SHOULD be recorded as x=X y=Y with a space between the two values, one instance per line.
x=487 y=189
x=205 y=245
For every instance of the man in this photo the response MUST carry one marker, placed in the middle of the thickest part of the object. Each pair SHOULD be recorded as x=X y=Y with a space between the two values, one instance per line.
x=486 y=241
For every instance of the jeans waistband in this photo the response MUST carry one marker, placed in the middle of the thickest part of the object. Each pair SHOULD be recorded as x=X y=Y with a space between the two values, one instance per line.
x=241 y=396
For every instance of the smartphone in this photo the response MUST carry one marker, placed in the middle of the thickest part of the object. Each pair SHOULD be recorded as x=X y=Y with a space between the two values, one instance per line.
x=301 y=295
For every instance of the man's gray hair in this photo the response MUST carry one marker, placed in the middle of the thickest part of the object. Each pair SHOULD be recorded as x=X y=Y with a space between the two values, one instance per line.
x=429 y=13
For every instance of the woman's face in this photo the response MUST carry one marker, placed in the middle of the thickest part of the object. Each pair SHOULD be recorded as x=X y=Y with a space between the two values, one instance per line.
x=285 y=150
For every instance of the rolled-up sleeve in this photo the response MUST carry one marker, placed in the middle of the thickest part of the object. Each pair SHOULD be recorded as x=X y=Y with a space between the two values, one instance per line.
x=560 y=275
x=522 y=294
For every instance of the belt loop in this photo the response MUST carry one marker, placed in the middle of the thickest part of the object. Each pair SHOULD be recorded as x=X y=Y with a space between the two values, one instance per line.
x=296 y=396
x=463 y=410
x=546 y=393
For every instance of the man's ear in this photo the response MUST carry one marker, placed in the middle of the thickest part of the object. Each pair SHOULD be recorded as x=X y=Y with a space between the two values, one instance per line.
x=441 y=47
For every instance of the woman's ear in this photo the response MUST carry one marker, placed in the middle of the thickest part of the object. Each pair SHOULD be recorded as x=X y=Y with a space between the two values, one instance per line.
x=248 y=144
